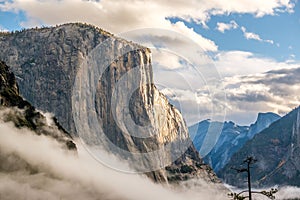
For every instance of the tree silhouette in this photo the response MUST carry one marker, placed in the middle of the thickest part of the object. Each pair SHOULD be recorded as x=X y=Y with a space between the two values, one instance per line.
x=239 y=196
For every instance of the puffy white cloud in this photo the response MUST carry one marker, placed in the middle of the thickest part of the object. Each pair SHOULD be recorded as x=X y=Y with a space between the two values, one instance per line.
x=204 y=43
x=254 y=36
x=138 y=11
x=124 y=15
x=166 y=60
x=232 y=63
x=222 y=27
x=115 y=16
x=249 y=35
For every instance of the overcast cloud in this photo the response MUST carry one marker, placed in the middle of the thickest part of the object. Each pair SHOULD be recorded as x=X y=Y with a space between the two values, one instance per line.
x=246 y=95
x=276 y=91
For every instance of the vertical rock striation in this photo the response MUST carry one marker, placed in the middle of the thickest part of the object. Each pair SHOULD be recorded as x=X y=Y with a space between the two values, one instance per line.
x=46 y=63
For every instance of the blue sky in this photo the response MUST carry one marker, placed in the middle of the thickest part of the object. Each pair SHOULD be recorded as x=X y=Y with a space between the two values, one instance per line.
x=12 y=20
x=243 y=37
x=283 y=29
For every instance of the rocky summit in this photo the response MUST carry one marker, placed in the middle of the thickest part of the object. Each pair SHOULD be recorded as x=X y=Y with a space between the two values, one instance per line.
x=49 y=61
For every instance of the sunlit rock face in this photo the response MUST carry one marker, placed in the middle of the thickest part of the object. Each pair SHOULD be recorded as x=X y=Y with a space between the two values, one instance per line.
x=49 y=61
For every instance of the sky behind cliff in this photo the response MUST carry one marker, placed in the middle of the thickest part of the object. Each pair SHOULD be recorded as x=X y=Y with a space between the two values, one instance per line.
x=253 y=44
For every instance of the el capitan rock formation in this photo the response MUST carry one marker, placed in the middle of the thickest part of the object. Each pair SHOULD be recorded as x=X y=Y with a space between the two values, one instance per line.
x=46 y=62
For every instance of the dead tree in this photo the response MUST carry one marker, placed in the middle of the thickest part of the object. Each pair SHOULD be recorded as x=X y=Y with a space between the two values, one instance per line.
x=239 y=196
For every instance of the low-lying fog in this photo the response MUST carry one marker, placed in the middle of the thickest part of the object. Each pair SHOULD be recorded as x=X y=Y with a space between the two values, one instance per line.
x=37 y=167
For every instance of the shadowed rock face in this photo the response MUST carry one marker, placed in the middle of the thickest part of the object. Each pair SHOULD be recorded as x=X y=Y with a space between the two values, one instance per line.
x=22 y=114
x=46 y=62
x=277 y=150
x=9 y=90
x=232 y=138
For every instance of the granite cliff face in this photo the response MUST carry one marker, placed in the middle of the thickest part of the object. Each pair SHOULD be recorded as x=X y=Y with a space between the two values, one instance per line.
x=264 y=120
x=277 y=150
x=47 y=62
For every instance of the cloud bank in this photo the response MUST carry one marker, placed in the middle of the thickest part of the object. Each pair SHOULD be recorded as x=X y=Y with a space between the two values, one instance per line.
x=251 y=84
x=34 y=166
x=120 y=14
x=124 y=15
x=274 y=91
x=235 y=63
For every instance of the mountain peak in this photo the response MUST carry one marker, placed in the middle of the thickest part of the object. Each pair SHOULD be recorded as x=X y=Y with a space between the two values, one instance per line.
x=263 y=121
x=262 y=116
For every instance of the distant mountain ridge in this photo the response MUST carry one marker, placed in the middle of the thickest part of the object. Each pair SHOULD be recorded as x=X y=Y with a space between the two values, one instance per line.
x=277 y=149
x=231 y=139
